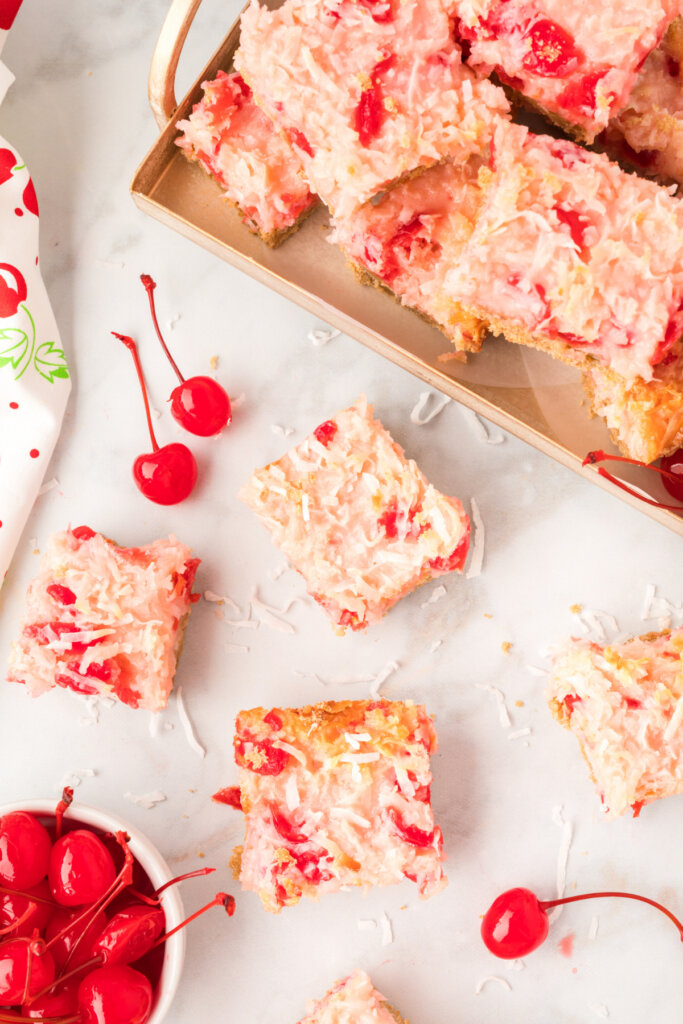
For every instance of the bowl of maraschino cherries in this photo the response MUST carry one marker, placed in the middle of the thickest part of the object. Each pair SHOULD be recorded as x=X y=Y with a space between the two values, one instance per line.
x=90 y=919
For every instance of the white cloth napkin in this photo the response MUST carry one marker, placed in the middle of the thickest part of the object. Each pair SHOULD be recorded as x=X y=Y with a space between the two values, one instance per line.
x=34 y=377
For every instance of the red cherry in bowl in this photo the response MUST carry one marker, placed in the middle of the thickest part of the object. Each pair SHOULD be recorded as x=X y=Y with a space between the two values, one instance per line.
x=166 y=475
x=670 y=470
x=199 y=404
x=19 y=961
x=61 y=1001
x=673 y=466
x=81 y=868
x=20 y=914
x=24 y=850
x=115 y=995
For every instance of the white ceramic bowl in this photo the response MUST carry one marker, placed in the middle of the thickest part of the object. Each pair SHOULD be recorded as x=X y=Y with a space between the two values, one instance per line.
x=157 y=871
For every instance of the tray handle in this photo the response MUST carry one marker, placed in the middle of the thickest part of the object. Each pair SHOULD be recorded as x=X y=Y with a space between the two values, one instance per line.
x=161 y=85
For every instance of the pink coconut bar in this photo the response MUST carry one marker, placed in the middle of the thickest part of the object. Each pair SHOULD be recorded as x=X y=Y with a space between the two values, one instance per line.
x=368 y=91
x=409 y=239
x=357 y=519
x=624 y=704
x=648 y=131
x=257 y=169
x=336 y=795
x=578 y=61
x=105 y=620
x=353 y=1000
x=574 y=256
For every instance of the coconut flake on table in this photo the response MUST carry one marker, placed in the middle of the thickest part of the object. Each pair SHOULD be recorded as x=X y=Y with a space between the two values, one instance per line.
x=477 y=549
x=516 y=965
x=337 y=680
x=518 y=733
x=49 y=486
x=110 y=264
x=481 y=428
x=503 y=713
x=562 y=858
x=593 y=930
x=236 y=648
x=435 y=646
x=655 y=607
x=435 y=596
x=238 y=400
x=74 y=777
x=321 y=336
x=147 y=800
x=281 y=431
x=599 y=1009
x=279 y=570
x=366 y=924
x=487 y=979
x=381 y=678
x=387 y=930
x=187 y=725
x=271 y=616
x=212 y=598
x=439 y=404
x=535 y=670
x=598 y=625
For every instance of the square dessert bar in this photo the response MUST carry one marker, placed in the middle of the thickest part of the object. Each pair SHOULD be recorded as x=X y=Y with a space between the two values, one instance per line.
x=574 y=256
x=336 y=795
x=576 y=61
x=624 y=704
x=648 y=131
x=353 y=1000
x=407 y=241
x=367 y=91
x=257 y=169
x=645 y=418
x=105 y=620
x=357 y=519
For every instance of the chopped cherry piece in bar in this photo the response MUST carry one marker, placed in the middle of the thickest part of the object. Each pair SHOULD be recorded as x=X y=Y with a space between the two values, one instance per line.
x=61 y=593
x=83 y=533
x=552 y=51
x=260 y=756
x=410 y=833
x=325 y=432
x=286 y=828
x=582 y=94
x=230 y=796
x=371 y=112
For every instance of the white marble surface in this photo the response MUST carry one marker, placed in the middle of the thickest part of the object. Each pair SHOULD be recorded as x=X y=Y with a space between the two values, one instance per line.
x=78 y=114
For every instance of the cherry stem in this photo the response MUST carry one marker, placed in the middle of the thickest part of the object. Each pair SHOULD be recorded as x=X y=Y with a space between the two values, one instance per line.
x=7 y=1016
x=151 y=901
x=182 y=878
x=28 y=896
x=132 y=347
x=149 y=286
x=62 y=807
x=548 y=904
x=600 y=456
x=19 y=921
x=221 y=899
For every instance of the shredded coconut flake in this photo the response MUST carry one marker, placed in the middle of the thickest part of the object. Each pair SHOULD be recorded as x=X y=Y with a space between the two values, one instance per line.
x=154 y=724
x=562 y=858
x=381 y=677
x=387 y=930
x=366 y=924
x=477 y=550
x=439 y=404
x=535 y=670
x=76 y=776
x=147 y=800
x=188 y=728
x=49 y=486
x=435 y=596
x=222 y=599
x=503 y=713
x=599 y=1009
x=481 y=428
x=481 y=984
x=271 y=616
x=281 y=431
x=593 y=930
x=321 y=336
x=518 y=733
x=435 y=646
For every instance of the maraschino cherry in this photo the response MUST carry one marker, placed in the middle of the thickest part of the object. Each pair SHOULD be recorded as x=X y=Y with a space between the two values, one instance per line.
x=516 y=923
x=24 y=850
x=166 y=475
x=670 y=470
x=199 y=404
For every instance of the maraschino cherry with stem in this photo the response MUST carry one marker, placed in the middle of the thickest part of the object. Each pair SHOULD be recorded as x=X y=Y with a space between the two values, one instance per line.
x=516 y=923
x=166 y=475
x=671 y=472
x=199 y=404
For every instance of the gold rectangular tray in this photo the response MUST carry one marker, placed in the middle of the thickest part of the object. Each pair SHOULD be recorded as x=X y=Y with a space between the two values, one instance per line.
x=519 y=389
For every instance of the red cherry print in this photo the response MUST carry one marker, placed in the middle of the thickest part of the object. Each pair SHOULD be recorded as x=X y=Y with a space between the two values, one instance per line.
x=62 y=938
x=7 y=162
x=19 y=212
x=410 y=833
x=83 y=533
x=516 y=923
x=114 y=995
x=81 y=868
x=21 y=913
x=24 y=850
x=673 y=464
x=8 y=12
x=231 y=796
x=14 y=405
x=325 y=433
x=666 y=472
x=11 y=297
x=29 y=197
x=62 y=1001
x=552 y=51
x=370 y=113
x=34 y=453
x=24 y=971
x=198 y=404
x=166 y=475
x=61 y=594
x=129 y=934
